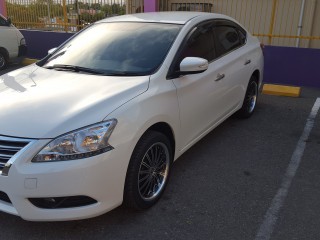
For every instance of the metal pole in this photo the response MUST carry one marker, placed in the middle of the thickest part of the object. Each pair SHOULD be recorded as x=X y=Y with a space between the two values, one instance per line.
x=3 y=9
x=48 y=6
x=65 y=16
x=300 y=22
x=313 y=7
x=273 y=18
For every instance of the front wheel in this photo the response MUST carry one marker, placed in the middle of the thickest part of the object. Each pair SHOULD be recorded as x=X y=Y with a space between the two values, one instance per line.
x=3 y=61
x=250 y=99
x=148 y=171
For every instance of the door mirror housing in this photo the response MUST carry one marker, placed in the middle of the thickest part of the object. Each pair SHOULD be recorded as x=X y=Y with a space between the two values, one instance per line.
x=193 y=65
x=52 y=50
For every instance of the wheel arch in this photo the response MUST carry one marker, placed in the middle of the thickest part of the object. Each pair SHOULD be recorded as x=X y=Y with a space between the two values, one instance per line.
x=5 y=52
x=167 y=130
x=159 y=126
x=257 y=74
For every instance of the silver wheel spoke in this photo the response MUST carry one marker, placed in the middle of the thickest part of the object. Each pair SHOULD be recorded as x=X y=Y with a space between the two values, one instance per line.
x=145 y=165
x=160 y=166
x=158 y=158
x=147 y=189
x=158 y=180
x=144 y=178
x=148 y=158
x=152 y=156
x=151 y=187
x=144 y=172
x=145 y=184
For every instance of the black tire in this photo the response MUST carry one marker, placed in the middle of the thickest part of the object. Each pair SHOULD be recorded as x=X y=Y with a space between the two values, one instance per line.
x=142 y=186
x=250 y=99
x=3 y=60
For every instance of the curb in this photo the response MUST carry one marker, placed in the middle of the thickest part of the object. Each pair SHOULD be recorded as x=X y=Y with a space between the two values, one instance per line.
x=28 y=61
x=280 y=90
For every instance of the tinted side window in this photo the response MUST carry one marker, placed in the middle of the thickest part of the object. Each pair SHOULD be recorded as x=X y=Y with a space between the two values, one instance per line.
x=200 y=44
x=226 y=39
x=3 y=22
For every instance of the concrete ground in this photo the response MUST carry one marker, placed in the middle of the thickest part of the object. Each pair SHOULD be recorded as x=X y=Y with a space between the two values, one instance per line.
x=221 y=188
x=9 y=68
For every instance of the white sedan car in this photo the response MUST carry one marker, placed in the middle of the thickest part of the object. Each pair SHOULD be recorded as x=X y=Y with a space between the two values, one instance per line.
x=101 y=119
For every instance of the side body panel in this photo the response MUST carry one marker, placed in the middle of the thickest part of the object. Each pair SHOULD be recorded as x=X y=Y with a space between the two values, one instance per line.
x=9 y=40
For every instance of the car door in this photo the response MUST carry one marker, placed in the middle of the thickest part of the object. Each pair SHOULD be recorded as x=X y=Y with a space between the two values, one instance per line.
x=232 y=62
x=199 y=95
x=8 y=38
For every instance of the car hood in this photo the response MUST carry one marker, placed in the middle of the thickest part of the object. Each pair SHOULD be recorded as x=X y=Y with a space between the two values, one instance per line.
x=42 y=103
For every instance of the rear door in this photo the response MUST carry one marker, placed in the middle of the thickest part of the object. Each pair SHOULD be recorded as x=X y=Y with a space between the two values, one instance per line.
x=233 y=62
x=8 y=38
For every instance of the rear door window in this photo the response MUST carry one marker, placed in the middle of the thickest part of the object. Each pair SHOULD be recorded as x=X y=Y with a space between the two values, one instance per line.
x=226 y=38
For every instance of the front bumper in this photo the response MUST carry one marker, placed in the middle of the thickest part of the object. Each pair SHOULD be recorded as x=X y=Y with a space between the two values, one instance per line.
x=23 y=50
x=100 y=177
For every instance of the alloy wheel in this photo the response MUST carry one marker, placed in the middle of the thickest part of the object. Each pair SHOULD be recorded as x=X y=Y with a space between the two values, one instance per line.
x=251 y=97
x=153 y=172
x=2 y=61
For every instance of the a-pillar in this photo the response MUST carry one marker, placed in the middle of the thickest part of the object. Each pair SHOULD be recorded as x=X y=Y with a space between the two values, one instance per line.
x=149 y=5
x=3 y=9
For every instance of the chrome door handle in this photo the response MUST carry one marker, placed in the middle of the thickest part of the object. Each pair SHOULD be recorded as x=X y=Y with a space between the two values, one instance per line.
x=247 y=62
x=220 y=77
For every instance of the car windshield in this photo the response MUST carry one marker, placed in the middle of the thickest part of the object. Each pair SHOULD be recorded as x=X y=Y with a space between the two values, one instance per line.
x=124 y=49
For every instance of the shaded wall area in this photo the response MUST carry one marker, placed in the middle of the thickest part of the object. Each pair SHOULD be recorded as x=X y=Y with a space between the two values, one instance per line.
x=39 y=42
x=283 y=65
x=292 y=66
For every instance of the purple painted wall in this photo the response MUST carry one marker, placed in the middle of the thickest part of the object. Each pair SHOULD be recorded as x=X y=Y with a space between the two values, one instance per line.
x=40 y=42
x=3 y=9
x=283 y=65
x=292 y=66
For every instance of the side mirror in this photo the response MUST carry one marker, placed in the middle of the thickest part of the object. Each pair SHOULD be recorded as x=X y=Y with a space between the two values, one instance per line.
x=193 y=65
x=9 y=22
x=52 y=50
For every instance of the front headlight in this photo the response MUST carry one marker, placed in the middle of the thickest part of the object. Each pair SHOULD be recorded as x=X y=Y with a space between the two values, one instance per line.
x=23 y=42
x=83 y=143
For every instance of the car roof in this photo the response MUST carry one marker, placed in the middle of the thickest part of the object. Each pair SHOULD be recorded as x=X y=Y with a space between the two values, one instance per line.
x=163 y=17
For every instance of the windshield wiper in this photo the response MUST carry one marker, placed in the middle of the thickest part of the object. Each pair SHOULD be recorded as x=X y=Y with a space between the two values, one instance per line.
x=63 y=67
x=75 y=69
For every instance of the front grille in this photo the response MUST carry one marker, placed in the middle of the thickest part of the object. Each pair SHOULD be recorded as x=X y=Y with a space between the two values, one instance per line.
x=9 y=147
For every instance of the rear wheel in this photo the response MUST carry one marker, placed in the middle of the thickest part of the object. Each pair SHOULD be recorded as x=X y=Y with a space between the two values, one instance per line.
x=250 y=99
x=3 y=61
x=148 y=171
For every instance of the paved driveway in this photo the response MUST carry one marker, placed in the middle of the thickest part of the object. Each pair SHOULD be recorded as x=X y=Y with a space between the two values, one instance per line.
x=222 y=187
